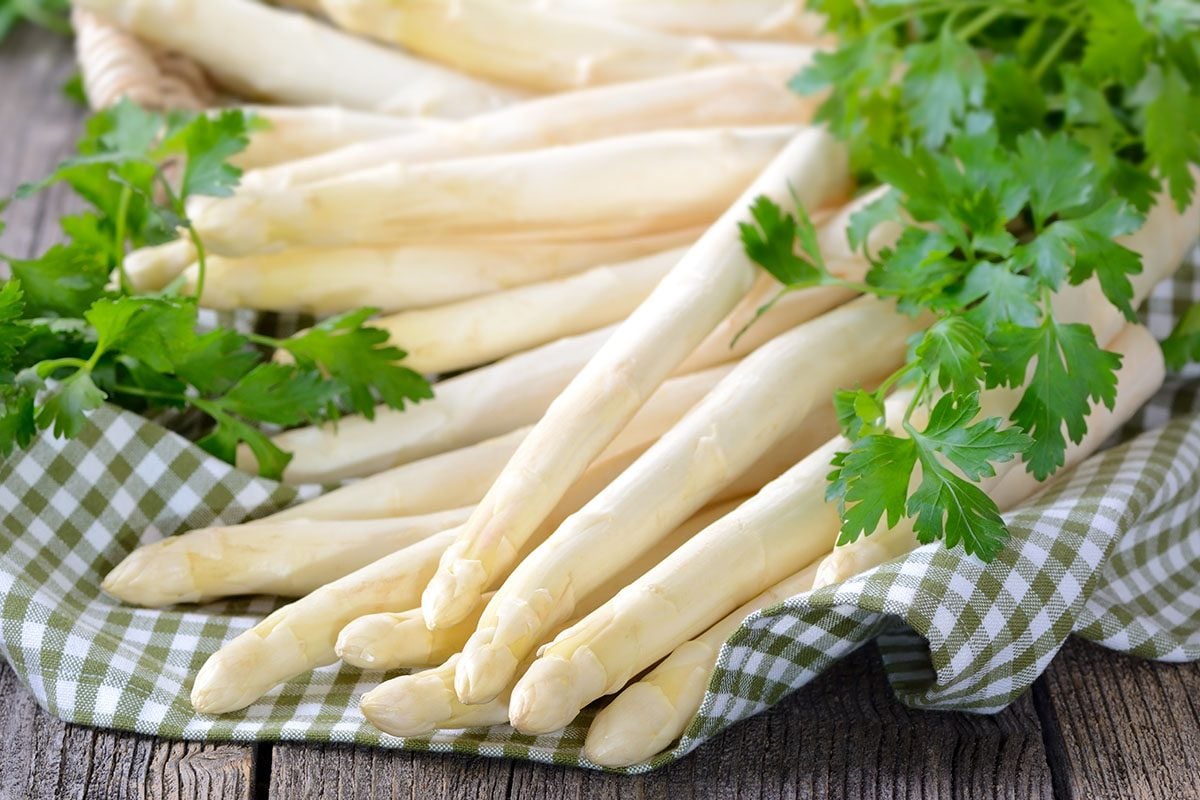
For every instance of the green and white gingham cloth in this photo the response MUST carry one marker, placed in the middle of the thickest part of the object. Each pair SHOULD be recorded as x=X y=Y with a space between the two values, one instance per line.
x=1110 y=552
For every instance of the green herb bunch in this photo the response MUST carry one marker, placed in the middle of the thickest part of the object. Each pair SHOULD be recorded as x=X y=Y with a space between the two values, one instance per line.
x=74 y=333
x=1019 y=139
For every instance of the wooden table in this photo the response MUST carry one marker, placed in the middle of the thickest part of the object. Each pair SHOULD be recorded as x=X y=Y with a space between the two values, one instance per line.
x=1097 y=725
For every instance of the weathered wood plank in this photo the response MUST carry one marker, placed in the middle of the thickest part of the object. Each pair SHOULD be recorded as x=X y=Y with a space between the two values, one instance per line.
x=843 y=736
x=43 y=758
x=39 y=127
x=1127 y=728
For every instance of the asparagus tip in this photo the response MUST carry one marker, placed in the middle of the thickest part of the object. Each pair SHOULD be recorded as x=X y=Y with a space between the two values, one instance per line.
x=483 y=672
x=411 y=705
x=546 y=698
x=453 y=593
x=638 y=723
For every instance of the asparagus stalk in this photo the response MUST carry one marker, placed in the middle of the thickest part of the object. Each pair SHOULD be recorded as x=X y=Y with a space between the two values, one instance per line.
x=475 y=331
x=452 y=479
x=742 y=94
x=302 y=635
x=419 y=704
x=610 y=188
x=791 y=524
x=301 y=132
x=269 y=53
x=743 y=19
x=461 y=477
x=685 y=307
x=289 y=559
x=410 y=436
x=653 y=712
x=466 y=409
x=540 y=49
x=333 y=280
x=723 y=435
x=151 y=268
x=401 y=641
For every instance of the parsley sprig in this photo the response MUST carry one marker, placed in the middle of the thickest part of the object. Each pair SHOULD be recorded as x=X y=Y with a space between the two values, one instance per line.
x=1019 y=139
x=72 y=337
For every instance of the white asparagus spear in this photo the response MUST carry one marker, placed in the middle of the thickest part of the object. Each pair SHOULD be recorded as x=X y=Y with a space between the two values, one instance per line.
x=302 y=635
x=466 y=419
x=653 y=712
x=295 y=132
x=781 y=529
x=452 y=479
x=324 y=281
x=152 y=268
x=1140 y=376
x=742 y=19
x=461 y=477
x=543 y=50
x=261 y=51
x=400 y=640
x=743 y=94
x=417 y=704
x=705 y=286
x=466 y=409
x=610 y=188
x=288 y=559
x=475 y=331
x=772 y=393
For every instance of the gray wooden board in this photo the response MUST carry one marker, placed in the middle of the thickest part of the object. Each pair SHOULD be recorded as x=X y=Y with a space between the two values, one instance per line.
x=1099 y=725
x=843 y=736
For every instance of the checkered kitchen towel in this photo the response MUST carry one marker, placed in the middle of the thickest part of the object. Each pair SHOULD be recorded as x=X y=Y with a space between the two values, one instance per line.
x=1111 y=552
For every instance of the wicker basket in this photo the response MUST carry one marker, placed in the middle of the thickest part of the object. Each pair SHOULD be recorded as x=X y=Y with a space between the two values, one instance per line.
x=115 y=64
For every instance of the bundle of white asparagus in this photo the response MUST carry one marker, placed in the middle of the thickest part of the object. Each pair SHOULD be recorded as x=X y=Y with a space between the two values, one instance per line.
x=550 y=194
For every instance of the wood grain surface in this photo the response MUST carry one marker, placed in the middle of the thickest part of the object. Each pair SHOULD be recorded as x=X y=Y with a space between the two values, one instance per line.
x=1098 y=725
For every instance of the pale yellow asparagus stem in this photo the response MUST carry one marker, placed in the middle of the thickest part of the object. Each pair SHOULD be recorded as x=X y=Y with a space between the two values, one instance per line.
x=782 y=528
x=302 y=635
x=741 y=19
x=658 y=336
x=610 y=188
x=152 y=268
x=289 y=559
x=353 y=439
x=401 y=641
x=1140 y=376
x=413 y=705
x=452 y=479
x=543 y=50
x=265 y=52
x=325 y=281
x=743 y=94
x=653 y=712
x=470 y=408
x=418 y=704
x=479 y=330
x=729 y=429
x=300 y=132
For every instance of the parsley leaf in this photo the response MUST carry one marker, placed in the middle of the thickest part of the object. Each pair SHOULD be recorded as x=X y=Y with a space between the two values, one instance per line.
x=360 y=361
x=68 y=342
x=1070 y=372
